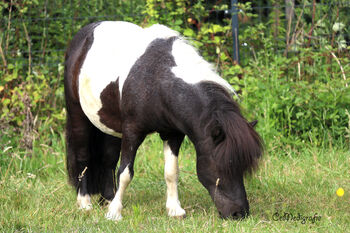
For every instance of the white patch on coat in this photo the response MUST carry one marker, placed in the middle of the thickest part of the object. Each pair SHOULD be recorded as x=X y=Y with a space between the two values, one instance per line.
x=115 y=207
x=192 y=68
x=171 y=174
x=91 y=106
x=84 y=201
x=115 y=49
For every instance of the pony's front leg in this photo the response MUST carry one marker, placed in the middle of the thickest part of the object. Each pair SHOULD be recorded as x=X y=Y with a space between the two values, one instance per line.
x=116 y=206
x=130 y=144
x=171 y=174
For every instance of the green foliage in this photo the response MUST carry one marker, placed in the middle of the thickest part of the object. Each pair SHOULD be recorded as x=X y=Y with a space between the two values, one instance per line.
x=36 y=93
x=300 y=94
x=298 y=111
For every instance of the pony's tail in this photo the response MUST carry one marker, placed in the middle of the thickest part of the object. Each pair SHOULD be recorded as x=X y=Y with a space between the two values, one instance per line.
x=71 y=160
x=98 y=167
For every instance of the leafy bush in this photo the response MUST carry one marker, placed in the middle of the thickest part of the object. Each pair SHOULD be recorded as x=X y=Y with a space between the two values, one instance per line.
x=301 y=111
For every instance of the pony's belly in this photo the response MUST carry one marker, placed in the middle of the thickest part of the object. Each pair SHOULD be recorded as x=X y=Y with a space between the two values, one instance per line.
x=92 y=104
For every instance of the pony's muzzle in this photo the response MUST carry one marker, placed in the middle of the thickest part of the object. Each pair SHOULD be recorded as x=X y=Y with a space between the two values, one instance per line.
x=237 y=210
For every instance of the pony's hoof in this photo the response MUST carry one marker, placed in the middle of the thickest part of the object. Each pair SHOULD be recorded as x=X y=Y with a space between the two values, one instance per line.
x=115 y=211
x=85 y=207
x=113 y=216
x=84 y=202
x=176 y=212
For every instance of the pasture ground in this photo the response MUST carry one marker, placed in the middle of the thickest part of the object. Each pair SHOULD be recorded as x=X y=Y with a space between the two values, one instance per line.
x=35 y=196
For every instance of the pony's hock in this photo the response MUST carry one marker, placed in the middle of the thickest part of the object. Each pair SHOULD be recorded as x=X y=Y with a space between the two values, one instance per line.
x=123 y=82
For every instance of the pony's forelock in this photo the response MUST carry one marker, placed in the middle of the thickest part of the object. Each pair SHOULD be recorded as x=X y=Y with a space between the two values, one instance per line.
x=241 y=147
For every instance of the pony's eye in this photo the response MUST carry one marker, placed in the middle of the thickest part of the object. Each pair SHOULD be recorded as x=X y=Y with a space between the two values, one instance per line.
x=217 y=135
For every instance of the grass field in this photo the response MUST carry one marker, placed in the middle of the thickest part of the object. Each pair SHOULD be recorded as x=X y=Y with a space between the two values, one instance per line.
x=35 y=196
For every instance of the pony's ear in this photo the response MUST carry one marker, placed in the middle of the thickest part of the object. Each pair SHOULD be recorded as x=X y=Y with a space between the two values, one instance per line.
x=217 y=134
x=253 y=123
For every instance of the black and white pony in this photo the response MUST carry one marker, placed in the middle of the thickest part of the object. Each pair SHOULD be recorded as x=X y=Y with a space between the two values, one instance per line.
x=123 y=82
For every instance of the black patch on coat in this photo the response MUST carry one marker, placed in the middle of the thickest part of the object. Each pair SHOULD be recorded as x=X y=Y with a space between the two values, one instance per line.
x=154 y=99
x=148 y=78
x=154 y=64
x=110 y=113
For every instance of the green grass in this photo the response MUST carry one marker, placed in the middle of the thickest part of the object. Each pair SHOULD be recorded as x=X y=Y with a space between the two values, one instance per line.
x=35 y=196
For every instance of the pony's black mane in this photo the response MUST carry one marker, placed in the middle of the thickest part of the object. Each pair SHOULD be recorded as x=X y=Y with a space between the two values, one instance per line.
x=237 y=145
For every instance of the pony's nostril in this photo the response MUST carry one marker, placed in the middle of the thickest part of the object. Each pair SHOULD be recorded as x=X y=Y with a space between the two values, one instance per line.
x=237 y=215
x=240 y=214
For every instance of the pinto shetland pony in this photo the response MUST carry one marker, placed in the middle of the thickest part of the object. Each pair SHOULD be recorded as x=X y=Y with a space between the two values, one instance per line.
x=123 y=82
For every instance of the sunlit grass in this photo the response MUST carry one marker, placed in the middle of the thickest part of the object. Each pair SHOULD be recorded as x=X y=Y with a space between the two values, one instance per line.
x=35 y=195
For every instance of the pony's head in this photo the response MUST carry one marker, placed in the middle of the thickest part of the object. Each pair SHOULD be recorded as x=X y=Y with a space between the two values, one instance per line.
x=231 y=147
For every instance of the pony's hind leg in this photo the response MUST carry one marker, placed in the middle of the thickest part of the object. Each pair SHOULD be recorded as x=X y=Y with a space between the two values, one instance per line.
x=111 y=152
x=78 y=130
x=171 y=173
